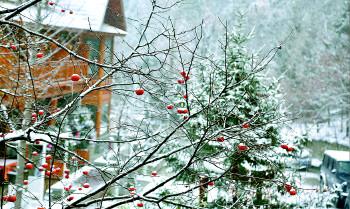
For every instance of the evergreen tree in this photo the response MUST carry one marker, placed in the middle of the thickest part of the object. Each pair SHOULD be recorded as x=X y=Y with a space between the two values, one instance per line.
x=242 y=128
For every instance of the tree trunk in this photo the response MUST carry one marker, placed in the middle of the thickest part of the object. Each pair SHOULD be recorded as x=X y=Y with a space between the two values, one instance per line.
x=203 y=190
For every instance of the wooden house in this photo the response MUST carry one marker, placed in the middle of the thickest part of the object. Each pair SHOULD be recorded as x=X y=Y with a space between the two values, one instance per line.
x=88 y=27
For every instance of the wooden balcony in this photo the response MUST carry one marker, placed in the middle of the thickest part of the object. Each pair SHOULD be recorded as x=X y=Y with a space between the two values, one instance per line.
x=51 y=78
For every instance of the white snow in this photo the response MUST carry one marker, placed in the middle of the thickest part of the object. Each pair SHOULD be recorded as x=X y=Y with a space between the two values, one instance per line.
x=338 y=155
x=333 y=133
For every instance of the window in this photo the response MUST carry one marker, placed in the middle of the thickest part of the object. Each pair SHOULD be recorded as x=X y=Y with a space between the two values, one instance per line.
x=94 y=51
x=325 y=161
x=108 y=50
x=94 y=47
x=343 y=167
x=330 y=164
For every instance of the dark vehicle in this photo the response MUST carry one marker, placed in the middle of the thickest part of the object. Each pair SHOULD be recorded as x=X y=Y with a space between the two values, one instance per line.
x=347 y=201
x=335 y=174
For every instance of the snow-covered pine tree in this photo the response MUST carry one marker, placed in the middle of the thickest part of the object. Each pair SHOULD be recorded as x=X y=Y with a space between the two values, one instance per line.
x=243 y=129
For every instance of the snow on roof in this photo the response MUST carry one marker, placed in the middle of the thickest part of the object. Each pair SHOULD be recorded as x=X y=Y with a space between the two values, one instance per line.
x=338 y=155
x=87 y=15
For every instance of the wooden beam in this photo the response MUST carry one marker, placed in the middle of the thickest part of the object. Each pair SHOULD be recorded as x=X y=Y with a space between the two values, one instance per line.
x=100 y=96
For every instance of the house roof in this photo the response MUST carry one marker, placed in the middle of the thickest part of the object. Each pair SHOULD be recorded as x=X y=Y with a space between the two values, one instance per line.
x=338 y=155
x=104 y=16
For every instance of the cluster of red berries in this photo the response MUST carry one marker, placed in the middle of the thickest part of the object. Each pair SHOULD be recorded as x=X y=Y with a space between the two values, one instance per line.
x=35 y=116
x=289 y=188
x=39 y=55
x=287 y=148
x=9 y=198
x=132 y=191
x=185 y=77
x=240 y=146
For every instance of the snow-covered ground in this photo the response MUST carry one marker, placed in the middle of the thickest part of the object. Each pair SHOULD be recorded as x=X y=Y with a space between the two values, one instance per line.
x=334 y=132
x=308 y=195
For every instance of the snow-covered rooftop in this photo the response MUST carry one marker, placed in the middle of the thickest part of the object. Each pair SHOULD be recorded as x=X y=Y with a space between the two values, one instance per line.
x=338 y=155
x=85 y=15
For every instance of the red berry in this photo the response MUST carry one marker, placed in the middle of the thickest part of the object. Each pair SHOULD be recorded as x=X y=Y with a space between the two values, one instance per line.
x=39 y=55
x=154 y=173
x=185 y=117
x=287 y=186
x=48 y=173
x=211 y=183
x=242 y=147
x=45 y=165
x=169 y=107
x=180 y=111
x=185 y=111
x=70 y=198
x=41 y=168
x=86 y=185
x=220 y=139
x=290 y=149
x=51 y=3
x=292 y=191
x=37 y=141
x=140 y=204
x=66 y=176
x=25 y=182
x=139 y=91
x=180 y=81
x=48 y=157
x=284 y=146
x=35 y=153
x=41 y=112
x=245 y=125
x=63 y=10
x=67 y=171
x=80 y=188
x=34 y=115
x=5 y=198
x=29 y=166
x=57 y=170
x=185 y=96
x=187 y=78
x=13 y=47
x=183 y=73
x=66 y=189
x=75 y=77
x=132 y=189
x=12 y=198
x=86 y=173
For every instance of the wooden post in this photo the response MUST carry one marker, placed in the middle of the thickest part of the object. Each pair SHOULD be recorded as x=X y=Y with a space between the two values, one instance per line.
x=53 y=107
x=99 y=93
x=109 y=114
